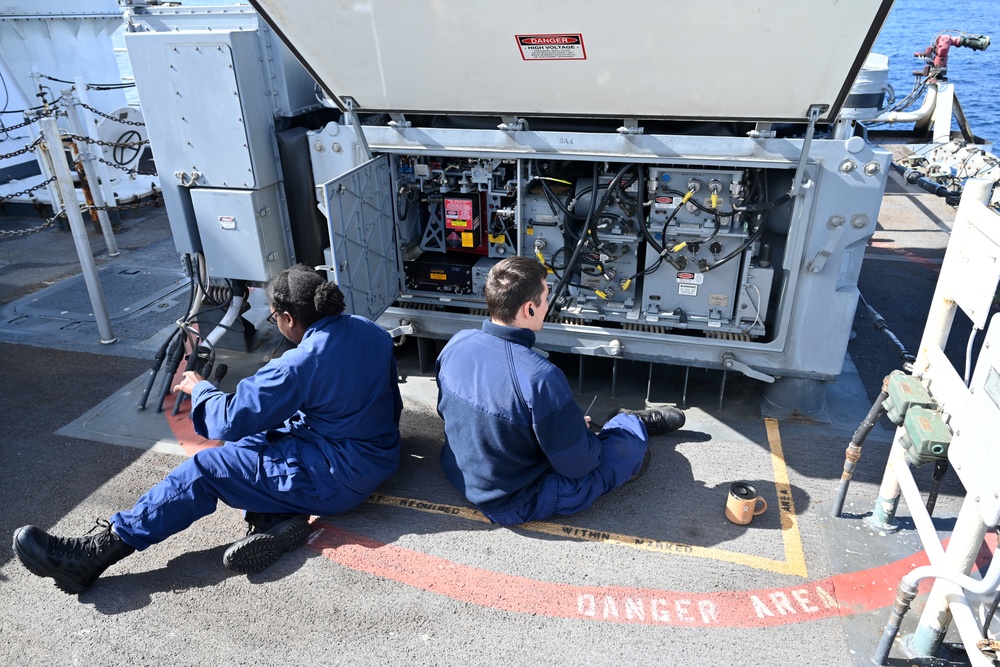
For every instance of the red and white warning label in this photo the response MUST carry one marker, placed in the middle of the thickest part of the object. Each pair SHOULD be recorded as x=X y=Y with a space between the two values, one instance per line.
x=687 y=283
x=561 y=46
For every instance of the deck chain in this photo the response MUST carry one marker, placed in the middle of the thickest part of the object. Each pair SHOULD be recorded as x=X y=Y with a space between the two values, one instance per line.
x=110 y=117
x=100 y=142
x=22 y=151
x=24 y=232
x=26 y=191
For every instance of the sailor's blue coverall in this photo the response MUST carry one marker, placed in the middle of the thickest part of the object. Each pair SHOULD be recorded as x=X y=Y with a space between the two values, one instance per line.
x=516 y=444
x=312 y=432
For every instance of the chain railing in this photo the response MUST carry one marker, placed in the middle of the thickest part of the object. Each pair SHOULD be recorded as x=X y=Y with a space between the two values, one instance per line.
x=110 y=117
x=156 y=200
x=23 y=150
x=26 y=191
x=33 y=230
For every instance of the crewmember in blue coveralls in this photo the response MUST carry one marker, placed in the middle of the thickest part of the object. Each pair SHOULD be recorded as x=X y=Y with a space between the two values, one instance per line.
x=516 y=443
x=313 y=432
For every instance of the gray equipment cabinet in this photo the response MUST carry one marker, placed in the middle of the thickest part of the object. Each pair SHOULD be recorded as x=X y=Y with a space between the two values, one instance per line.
x=693 y=208
x=212 y=83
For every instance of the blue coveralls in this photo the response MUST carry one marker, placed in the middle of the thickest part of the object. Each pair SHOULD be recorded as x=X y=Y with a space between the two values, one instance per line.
x=312 y=432
x=516 y=444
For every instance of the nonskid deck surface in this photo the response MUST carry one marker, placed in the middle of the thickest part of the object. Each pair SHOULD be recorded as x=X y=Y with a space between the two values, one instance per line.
x=652 y=574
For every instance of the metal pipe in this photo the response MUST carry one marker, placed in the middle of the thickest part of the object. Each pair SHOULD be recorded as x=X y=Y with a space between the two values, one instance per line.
x=232 y=314
x=915 y=502
x=966 y=540
x=91 y=131
x=930 y=99
x=53 y=146
x=904 y=596
x=77 y=127
x=967 y=624
x=43 y=164
x=883 y=516
x=854 y=448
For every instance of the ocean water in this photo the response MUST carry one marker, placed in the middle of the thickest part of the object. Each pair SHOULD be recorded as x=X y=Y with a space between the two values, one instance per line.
x=912 y=26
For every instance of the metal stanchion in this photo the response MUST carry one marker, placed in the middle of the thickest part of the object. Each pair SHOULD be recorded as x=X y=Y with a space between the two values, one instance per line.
x=52 y=146
x=77 y=127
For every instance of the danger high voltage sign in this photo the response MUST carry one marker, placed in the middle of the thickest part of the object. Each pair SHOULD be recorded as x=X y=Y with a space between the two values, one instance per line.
x=552 y=47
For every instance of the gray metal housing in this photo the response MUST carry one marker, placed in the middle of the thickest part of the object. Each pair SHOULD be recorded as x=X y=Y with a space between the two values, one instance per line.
x=212 y=83
x=830 y=220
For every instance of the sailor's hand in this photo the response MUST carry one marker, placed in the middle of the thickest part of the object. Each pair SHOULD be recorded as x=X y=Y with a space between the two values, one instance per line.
x=187 y=384
x=586 y=418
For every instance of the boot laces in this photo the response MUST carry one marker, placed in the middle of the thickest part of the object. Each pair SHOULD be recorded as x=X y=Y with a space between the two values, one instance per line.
x=87 y=546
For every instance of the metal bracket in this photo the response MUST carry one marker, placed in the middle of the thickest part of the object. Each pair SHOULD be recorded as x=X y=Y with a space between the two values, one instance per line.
x=399 y=121
x=512 y=124
x=800 y=181
x=729 y=363
x=611 y=349
x=762 y=131
x=405 y=328
x=352 y=117
x=817 y=263
x=631 y=126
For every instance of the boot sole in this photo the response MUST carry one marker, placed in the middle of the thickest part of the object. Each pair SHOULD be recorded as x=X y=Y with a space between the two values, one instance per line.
x=258 y=552
x=40 y=569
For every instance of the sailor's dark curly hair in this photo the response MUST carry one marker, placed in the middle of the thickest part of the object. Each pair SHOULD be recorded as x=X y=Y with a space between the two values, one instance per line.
x=305 y=293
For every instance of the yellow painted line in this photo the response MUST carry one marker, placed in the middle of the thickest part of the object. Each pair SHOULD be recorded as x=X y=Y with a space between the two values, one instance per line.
x=795 y=556
x=794 y=563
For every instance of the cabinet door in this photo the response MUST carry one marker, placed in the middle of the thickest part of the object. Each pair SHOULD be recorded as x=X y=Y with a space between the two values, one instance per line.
x=364 y=256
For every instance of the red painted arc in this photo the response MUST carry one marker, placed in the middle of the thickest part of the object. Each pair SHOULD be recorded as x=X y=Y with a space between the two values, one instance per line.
x=853 y=593
x=838 y=595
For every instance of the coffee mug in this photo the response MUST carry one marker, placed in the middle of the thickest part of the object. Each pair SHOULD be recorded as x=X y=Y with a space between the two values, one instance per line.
x=742 y=504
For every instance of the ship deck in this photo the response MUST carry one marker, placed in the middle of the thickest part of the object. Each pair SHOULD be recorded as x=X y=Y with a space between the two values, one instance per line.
x=652 y=574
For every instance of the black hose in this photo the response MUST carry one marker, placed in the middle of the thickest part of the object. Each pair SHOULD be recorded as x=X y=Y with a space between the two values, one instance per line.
x=988 y=620
x=594 y=211
x=750 y=240
x=940 y=470
x=905 y=358
x=158 y=358
x=914 y=177
x=174 y=356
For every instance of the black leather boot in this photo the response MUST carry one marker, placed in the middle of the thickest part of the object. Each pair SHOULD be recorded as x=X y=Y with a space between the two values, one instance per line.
x=74 y=563
x=658 y=421
x=269 y=536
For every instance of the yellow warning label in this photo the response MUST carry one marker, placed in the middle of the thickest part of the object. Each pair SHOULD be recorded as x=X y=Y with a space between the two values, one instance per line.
x=458 y=224
x=530 y=231
x=439 y=275
x=499 y=238
x=467 y=241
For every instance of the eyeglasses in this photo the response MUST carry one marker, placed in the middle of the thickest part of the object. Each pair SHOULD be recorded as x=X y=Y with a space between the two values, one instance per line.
x=273 y=317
